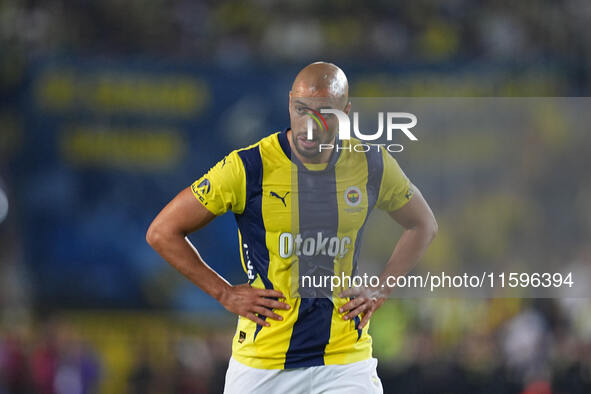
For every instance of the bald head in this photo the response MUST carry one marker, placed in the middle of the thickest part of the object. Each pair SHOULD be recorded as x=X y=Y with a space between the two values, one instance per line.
x=321 y=79
x=319 y=86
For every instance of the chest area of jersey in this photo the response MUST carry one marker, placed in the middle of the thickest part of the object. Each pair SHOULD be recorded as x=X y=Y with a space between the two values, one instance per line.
x=314 y=202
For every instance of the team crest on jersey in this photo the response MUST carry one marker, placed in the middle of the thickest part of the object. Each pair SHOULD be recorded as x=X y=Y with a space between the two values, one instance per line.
x=353 y=196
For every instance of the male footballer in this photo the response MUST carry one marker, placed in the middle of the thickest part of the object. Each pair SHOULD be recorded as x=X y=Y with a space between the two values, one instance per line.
x=300 y=210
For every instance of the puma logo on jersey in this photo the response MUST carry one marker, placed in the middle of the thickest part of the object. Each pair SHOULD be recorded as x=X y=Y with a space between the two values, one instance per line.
x=273 y=194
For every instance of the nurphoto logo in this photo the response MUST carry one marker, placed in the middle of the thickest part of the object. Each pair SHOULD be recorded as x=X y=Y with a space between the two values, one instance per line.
x=408 y=122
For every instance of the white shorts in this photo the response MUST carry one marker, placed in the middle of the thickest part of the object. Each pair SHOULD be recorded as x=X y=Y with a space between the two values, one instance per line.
x=359 y=377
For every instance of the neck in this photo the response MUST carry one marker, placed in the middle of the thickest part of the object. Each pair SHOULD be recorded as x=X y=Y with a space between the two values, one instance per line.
x=322 y=157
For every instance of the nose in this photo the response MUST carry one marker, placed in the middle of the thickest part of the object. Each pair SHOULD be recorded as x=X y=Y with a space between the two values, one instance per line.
x=312 y=129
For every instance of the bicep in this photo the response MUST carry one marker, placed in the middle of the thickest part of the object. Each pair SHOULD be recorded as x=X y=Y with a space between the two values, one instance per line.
x=415 y=212
x=183 y=214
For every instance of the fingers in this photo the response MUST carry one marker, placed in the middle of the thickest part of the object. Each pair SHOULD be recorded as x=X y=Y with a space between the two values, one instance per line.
x=273 y=304
x=365 y=318
x=269 y=293
x=257 y=319
x=358 y=306
x=268 y=302
x=262 y=311
x=266 y=312
x=351 y=304
x=373 y=306
x=361 y=308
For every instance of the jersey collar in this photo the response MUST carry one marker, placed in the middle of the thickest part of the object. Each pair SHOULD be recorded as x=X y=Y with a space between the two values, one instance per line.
x=284 y=143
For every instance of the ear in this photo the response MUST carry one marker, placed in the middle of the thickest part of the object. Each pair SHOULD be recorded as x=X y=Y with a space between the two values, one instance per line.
x=290 y=96
x=347 y=108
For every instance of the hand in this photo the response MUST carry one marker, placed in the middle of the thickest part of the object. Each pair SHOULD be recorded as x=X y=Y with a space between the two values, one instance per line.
x=247 y=301
x=366 y=302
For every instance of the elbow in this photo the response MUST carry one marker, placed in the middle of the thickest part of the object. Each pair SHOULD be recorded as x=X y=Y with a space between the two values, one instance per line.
x=161 y=233
x=428 y=229
x=433 y=229
x=154 y=235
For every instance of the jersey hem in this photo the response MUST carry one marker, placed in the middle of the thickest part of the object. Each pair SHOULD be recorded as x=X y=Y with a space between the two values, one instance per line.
x=259 y=363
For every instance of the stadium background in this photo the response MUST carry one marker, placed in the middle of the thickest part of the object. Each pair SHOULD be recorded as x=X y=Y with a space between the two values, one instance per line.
x=108 y=108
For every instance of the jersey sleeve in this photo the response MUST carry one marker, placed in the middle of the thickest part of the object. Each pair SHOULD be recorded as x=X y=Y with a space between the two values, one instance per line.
x=395 y=189
x=223 y=187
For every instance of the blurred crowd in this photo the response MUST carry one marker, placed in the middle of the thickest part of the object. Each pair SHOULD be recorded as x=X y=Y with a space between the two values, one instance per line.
x=521 y=346
x=47 y=364
x=59 y=357
x=239 y=33
x=494 y=346
x=525 y=346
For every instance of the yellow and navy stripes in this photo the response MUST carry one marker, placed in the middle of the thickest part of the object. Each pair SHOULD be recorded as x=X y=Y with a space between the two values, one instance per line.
x=272 y=193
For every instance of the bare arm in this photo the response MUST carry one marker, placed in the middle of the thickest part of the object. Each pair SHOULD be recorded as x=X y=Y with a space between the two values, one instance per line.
x=420 y=228
x=168 y=236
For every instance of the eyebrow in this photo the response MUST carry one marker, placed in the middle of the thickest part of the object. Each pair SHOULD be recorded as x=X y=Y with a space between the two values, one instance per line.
x=307 y=106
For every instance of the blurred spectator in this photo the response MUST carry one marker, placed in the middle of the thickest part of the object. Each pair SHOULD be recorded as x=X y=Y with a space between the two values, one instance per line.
x=14 y=374
x=142 y=376
x=44 y=364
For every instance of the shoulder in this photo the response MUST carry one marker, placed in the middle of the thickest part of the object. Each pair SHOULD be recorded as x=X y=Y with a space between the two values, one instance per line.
x=252 y=156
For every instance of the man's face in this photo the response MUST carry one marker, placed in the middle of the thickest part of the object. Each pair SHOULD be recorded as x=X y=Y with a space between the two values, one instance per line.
x=306 y=110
